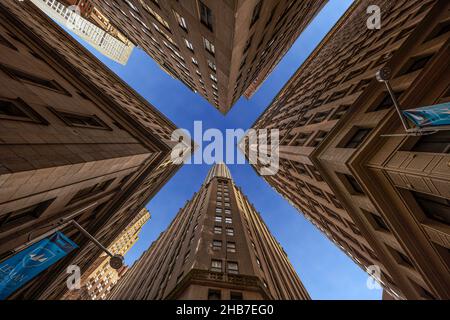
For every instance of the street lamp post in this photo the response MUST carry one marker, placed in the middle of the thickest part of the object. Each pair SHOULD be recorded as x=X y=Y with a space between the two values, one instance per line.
x=116 y=261
x=384 y=76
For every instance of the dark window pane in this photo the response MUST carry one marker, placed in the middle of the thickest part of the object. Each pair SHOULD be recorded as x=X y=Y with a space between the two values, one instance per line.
x=214 y=295
x=435 y=143
x=24 y=215
x=19 y=110
x=6 y=43
x=236 y=296
x=256 y=13
x=352 y=184
x=434 y=208
x=358 y=138
x=35 y=80
x=81 y=120
x=417 y=64
x=206 y=16
x=91 y=191
x=9 y=108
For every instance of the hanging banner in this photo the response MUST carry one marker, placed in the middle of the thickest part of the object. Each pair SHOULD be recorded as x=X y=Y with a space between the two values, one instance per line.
x=27 y=264
x=432 y=116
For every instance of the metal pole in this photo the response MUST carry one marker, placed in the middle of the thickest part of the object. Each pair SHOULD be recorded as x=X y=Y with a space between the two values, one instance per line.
x=396 y=104
x=384 y=75
x=115 y=261
x=87 y=234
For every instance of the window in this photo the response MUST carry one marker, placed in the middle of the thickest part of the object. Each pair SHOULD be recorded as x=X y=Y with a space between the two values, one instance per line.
x=214 y=294
x=319 y=137
x=219 y=210
x=232 y=268
x=22 y=216
x=228 y=220
x=434 y=208
x=212 y=65
x=435 y=143
x=216 y=266
x=209 y=46
x=189 y=45
x=213 y=78
x=186 y=257
x=6 y=43
x=126 y=178
x=81 y=120
x=206 y=16
x=180 y=277
x=400 y=257
x=194 y=61
x=357 y=138
x=227 y=211
x=191 y=241
x=441 y=29
x=157 y=17
x=259 y=263
x=231 y=247
x=217 y=245
x=236 y=295
x=351 y=183
x=424 y=293
x=248 y=44
x=256 y=13
x=335 y=201
x=181 y=21
x=416 y=64
x=218 y=219
x=320 y=117
x=18 y=109
x=217 y=230
x=230 y=232
x=376 y=221
x=91 y=191
x=340 y=112
x=34 y=80
x=385 y=101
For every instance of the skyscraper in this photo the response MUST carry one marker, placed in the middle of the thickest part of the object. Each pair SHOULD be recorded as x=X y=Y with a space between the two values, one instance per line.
x=90 y=25
x=76 y=141
x=221 y=49
x=97 y=282
x=383 y=199
x=217 y=247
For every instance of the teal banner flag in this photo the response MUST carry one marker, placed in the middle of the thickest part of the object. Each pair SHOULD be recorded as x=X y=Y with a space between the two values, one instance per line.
x=432 y=116
x=16 y=271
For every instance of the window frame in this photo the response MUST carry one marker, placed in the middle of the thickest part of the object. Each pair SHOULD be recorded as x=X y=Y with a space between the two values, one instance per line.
x=30 y=114
x=22 y=217
x=63 y=116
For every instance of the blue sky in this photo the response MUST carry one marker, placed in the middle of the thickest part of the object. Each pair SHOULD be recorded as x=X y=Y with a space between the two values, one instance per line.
x=326 y=272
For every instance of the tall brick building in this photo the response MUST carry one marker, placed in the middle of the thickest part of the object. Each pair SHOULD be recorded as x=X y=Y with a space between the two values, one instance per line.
x=75 y=140
x=221 y=49
x=383 y=199
x=217 y=247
